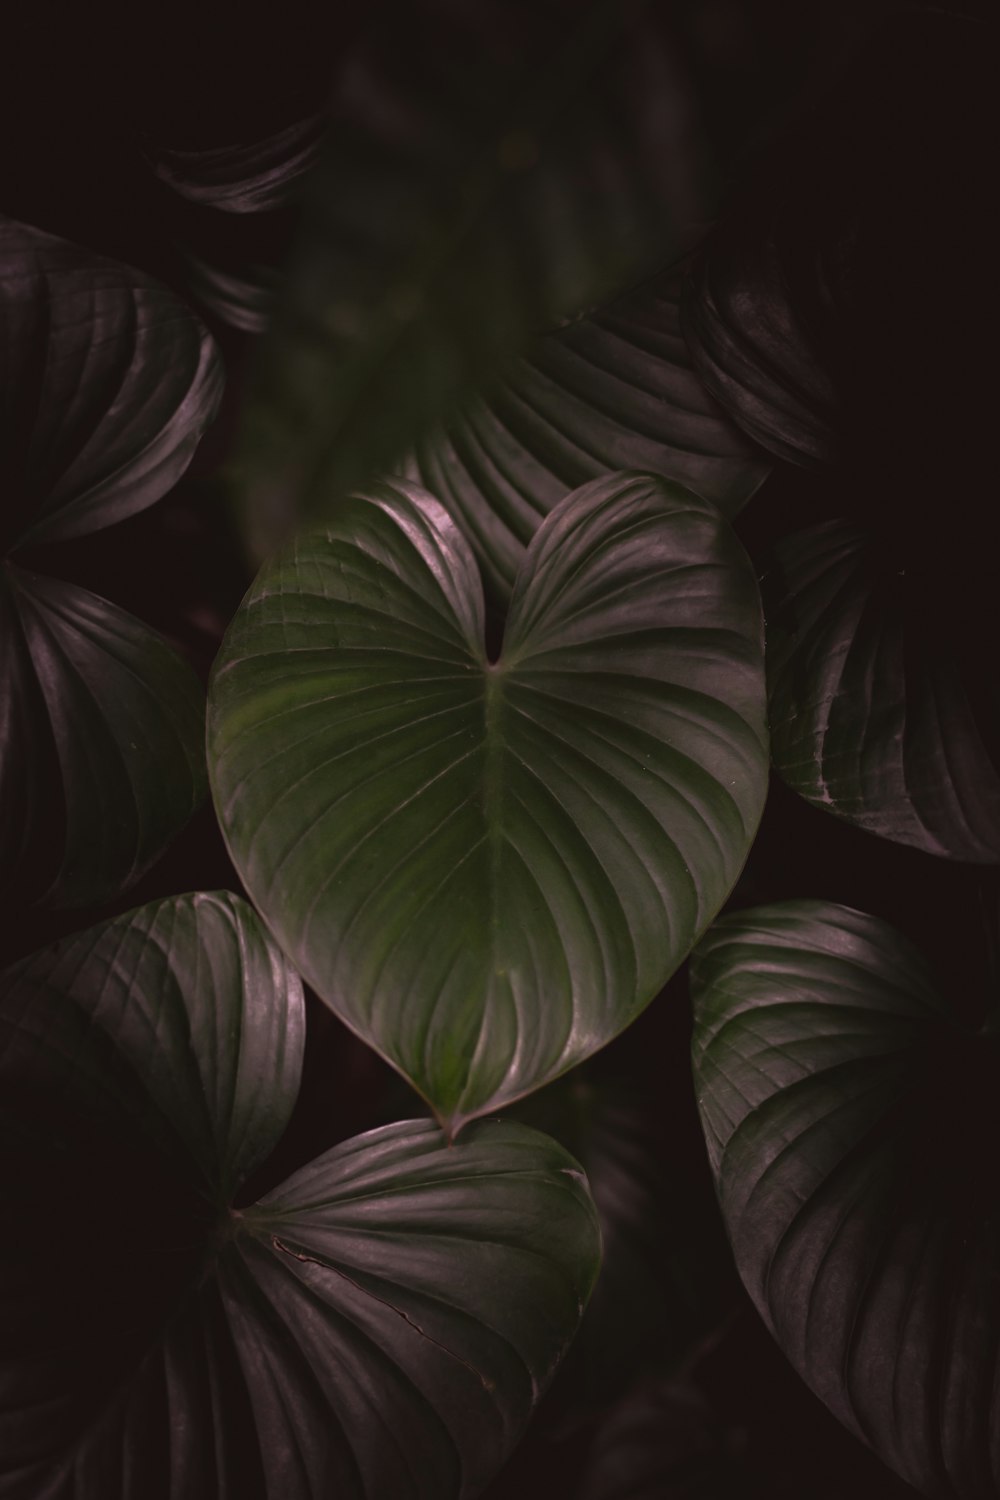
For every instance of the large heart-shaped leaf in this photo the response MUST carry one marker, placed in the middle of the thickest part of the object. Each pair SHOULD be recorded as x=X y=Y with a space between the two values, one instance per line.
x=881 y=711
x=106 y=383
x=379 y=1325
x=851 y=1122
x=493 y=166
x=613 y=391
x=488 y=869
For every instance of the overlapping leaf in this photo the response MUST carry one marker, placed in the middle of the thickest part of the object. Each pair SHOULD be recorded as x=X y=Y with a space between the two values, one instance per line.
x=380 y=1324
x=881 y=710
x=613 y=391
x=492 y=167
x=851 y=1124
x=488 y=869
x=106 y=384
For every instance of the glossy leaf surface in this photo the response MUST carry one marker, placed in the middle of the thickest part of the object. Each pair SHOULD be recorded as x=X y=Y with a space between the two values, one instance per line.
x=380 y=1324
x=106 y=384
x=851 y=1122
x=101 y=713
x=615 y=390
x=492 y=167
x=882 y=708
x=489 y=869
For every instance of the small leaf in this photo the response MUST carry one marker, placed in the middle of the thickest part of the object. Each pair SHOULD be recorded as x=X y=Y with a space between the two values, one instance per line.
x=106 y=384
x=492 y=167
x=381 y=1324
x=245 y=177
x=103 y=716
x=881 y=711
x=613 y=391
x=851 y=1121
x=489 y=869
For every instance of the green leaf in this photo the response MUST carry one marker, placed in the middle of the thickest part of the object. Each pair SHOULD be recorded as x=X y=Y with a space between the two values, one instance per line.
x=489 y=869
x=880 y=709
x=381 y=1324
x=492 y=168
x=103 y=714
x=106 y=384
x=613 y=391
x=851 y=1121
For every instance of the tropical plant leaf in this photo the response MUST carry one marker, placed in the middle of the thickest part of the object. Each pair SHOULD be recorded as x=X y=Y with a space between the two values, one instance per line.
x=800 y=310
x=380 y=1324
x=613 y=391
x=880 y=709
x=850 y=1120
x=493 y=166
x=240 y=296
x=106 y=384
x=665 y=1256
x=247 y=176
x=104 y=719
x=489 y=869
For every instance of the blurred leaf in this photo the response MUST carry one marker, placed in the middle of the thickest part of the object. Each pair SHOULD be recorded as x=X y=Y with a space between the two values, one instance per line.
x=851 y=1123
x=613 y=391
x=493 y=166
x=106 y=384
x=247 y=176
x=381 y=1324
x=663 y=1441
x=489 y=869
x=880 y=709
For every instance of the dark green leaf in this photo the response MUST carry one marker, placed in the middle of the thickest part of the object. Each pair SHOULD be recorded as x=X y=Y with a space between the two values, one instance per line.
x=489 y=869
x=493 y=166
x=613 y=391
x=380 y=1325
x=851 y=1123
x=106 y=384
x=104 y=719
x=881 y=709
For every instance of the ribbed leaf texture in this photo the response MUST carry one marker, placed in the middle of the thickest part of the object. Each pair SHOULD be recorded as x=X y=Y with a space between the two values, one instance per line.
x=489 y=868
x=380 y=1324
x=851 y=1123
